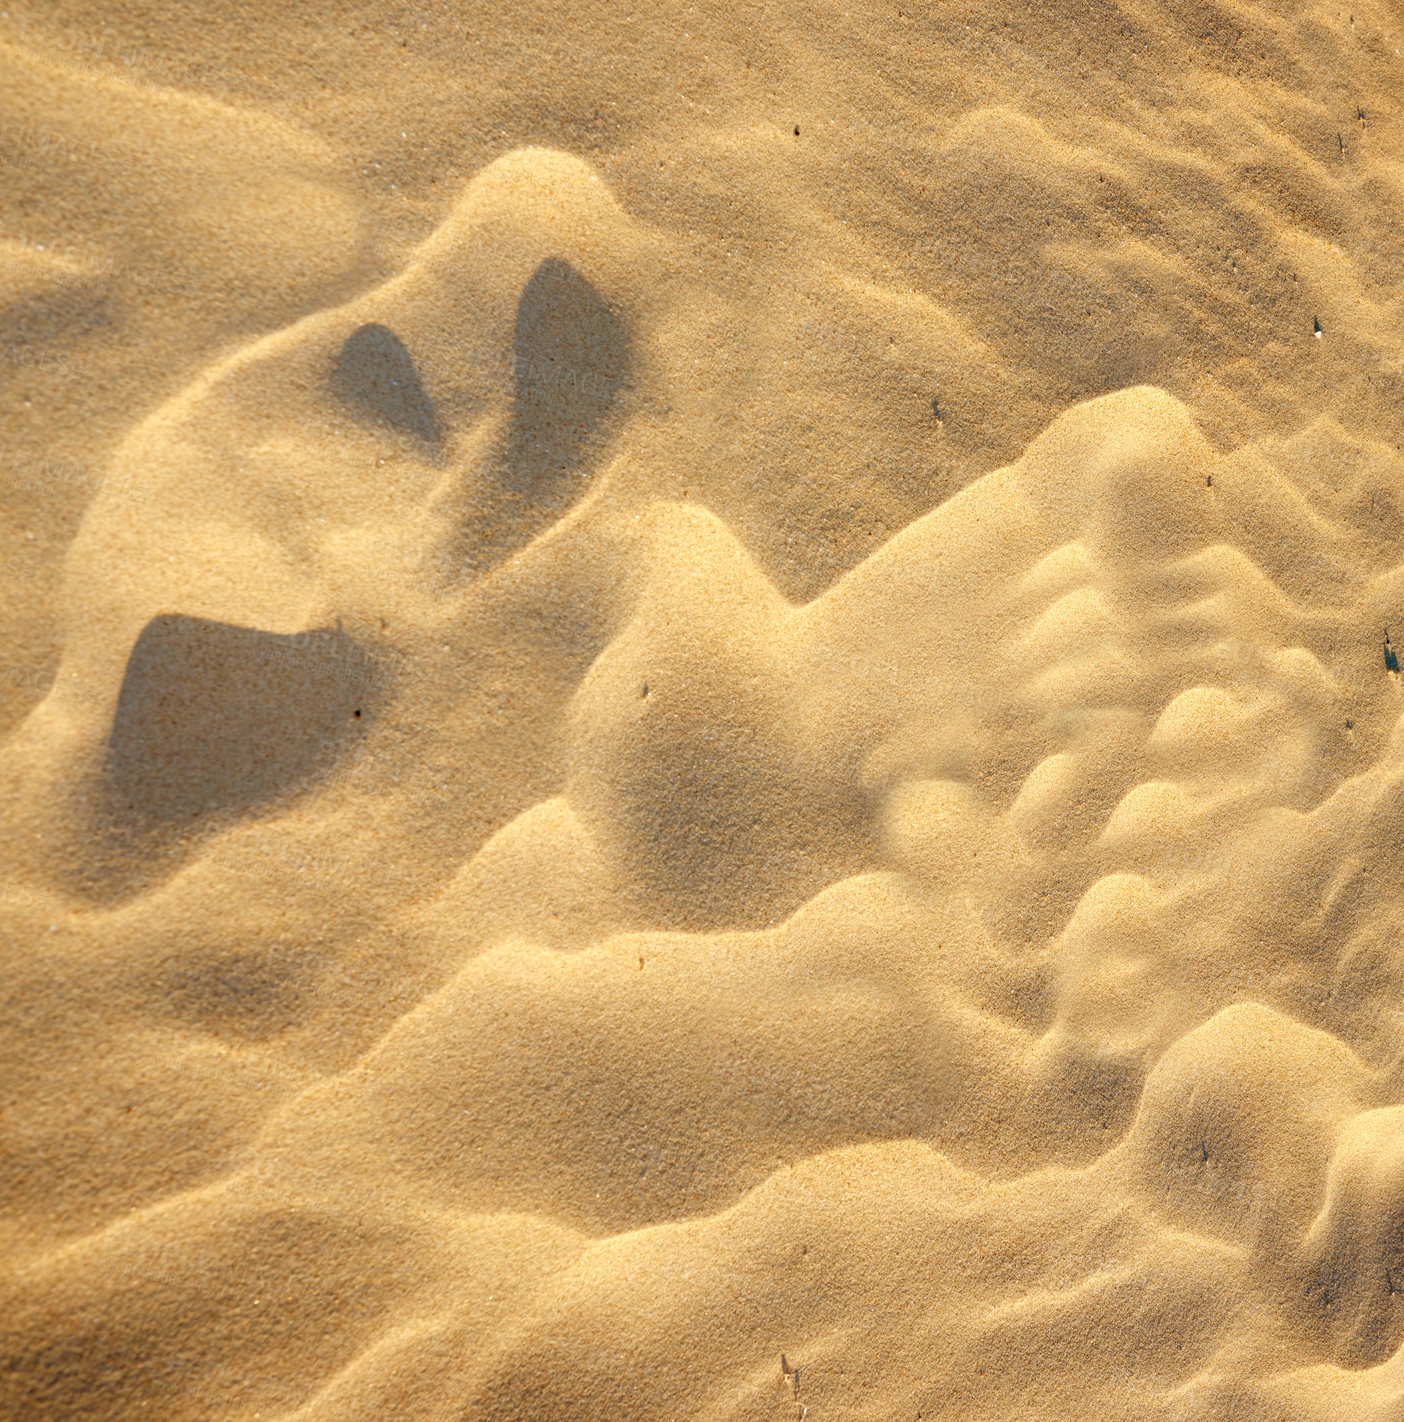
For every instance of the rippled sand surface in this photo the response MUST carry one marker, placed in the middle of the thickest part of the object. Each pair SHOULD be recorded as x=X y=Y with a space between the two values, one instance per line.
x=700 y=713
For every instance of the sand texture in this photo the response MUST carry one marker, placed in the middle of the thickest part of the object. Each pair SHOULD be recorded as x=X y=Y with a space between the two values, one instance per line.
x=700 y=716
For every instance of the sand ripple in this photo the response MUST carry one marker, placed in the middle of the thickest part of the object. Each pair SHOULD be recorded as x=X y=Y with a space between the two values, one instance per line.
x=497 y=932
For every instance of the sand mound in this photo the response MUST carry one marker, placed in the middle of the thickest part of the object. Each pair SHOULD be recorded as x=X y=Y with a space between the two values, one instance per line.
x=598 y=836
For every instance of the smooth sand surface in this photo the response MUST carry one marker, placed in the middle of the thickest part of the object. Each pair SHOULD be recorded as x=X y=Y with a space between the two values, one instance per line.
x=700 y=712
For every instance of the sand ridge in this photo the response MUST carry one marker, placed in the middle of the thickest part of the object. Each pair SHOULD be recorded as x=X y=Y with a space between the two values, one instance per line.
x=507 y=918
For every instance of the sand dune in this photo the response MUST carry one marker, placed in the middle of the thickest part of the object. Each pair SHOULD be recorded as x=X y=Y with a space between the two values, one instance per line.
x=704 y=714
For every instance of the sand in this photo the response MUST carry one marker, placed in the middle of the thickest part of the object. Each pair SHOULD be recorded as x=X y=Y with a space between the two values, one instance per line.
x=701 y=714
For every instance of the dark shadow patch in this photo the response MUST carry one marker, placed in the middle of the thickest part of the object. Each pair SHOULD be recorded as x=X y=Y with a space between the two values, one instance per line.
x=215 y=719
x=253 y=993
x=48 y=310
x=570 y=361
x=375 y=374
x=570 y=357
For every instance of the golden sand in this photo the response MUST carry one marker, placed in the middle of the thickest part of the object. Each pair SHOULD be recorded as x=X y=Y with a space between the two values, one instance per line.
x=701 y=712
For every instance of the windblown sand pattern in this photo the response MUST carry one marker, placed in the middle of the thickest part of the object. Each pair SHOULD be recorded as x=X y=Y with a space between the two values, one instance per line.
x=703 y=716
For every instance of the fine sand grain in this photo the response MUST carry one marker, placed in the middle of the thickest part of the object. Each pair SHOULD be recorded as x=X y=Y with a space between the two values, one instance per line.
x=701 y=713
